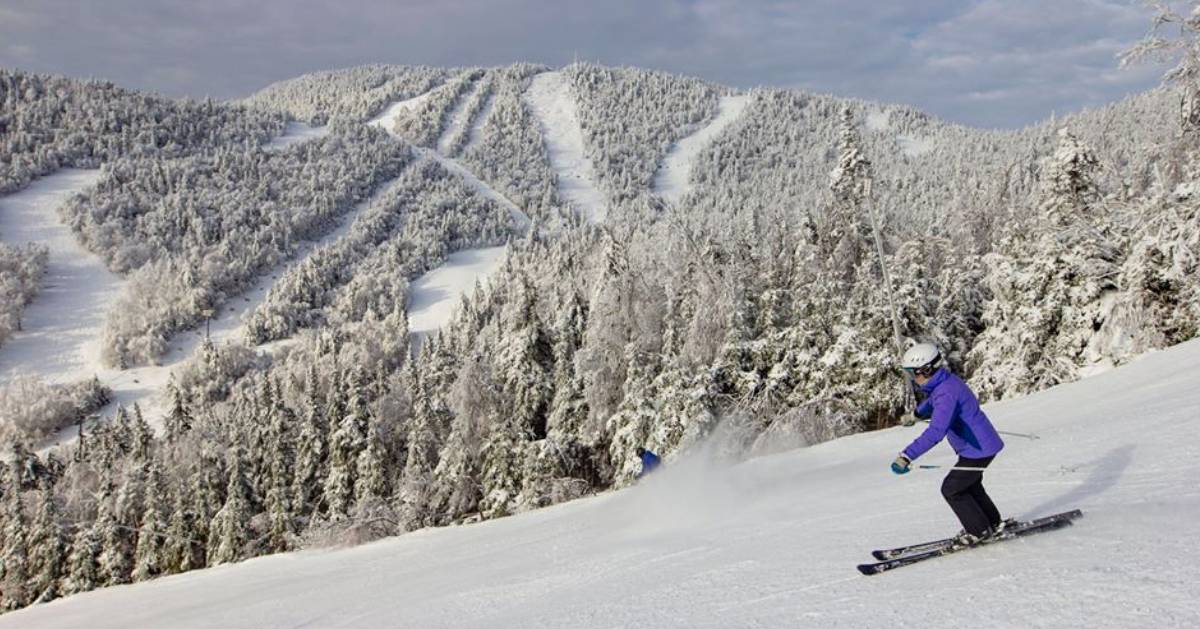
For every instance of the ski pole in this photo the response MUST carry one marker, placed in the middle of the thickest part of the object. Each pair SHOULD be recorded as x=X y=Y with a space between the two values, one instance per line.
x=1062 y=470
x=1006 y=433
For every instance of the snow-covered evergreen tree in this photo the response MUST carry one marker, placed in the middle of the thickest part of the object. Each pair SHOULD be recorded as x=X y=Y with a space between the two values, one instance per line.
x=228 y=533
x=48 y=555
x=148 y=555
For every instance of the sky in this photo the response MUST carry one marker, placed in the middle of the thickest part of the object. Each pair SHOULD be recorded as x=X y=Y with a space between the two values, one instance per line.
x=987 y=63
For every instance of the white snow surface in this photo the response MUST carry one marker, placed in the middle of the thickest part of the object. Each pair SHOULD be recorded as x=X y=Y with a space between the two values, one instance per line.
x=772 y=542
x=59 y=340
x=295 y=133
x=549 y=98
x=433 y=297
x=673 y=181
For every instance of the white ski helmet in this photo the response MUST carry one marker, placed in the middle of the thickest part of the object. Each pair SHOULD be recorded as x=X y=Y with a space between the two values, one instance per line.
x=921 y=355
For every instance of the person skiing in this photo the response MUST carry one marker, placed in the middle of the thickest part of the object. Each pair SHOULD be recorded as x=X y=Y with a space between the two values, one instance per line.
x=650 y=461
x=954 y=414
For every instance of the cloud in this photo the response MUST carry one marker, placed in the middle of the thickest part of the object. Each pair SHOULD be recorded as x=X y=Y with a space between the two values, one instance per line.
x=981 y=62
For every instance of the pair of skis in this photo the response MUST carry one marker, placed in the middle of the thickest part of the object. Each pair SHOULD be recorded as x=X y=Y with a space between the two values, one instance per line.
x=901 y=556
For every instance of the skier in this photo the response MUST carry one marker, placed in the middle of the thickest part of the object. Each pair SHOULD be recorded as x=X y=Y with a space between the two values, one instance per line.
x=955 y=414
x=650 y=461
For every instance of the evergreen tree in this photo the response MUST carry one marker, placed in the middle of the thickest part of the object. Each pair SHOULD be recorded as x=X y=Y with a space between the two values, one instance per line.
x=227 y=535
x=345 y=444
x=149 y=557
x=47 y=546
x=16 y=568
x=83 y=565
x=178 y=420
x=502 y=459
x=113 y=561
x=309 y=474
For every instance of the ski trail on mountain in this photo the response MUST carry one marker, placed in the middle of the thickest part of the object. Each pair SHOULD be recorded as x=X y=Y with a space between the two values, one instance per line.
x=61 y=326
x=458 y=119
x=434 y=297
x=673 y=180
x=387 y=118
x=476 y=130
x=770 y=542
x=549 y=98
x=144 y=385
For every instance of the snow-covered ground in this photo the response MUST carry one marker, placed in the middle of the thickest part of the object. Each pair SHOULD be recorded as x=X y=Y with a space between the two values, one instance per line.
x=672 y=181
x=773 y=542
x=294 y=133
x=549 y=98
x=434 y=297
x=59 y=340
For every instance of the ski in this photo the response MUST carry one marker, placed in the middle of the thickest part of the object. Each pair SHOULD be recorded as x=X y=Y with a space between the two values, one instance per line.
x=1022 y=529
x=912 y=549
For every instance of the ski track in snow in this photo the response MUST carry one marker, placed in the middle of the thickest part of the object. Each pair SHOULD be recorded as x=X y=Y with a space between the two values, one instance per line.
x=549 y=98
x=772 y=542
x=672 y=181
x=60 y=337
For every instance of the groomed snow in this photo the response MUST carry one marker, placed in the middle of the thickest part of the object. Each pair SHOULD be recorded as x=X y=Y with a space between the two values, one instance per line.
x=672 y=181
x=549 y=98
x=59 y=340
x=772 y=542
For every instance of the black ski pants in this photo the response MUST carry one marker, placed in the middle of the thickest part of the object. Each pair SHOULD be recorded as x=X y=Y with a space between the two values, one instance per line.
x=963 y=489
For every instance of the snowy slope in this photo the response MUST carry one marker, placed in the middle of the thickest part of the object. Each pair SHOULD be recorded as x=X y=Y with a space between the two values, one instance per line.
x=434 y=296
x=60 y=336
x=549 y=98
x=671 y=182
x=773 y=542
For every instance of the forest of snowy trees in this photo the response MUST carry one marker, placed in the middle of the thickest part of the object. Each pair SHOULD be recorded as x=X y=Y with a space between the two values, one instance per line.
x=752 y=315
x=355 y=94
x=48 y=122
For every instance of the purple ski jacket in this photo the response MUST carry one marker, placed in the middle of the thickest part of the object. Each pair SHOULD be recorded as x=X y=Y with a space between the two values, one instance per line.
x=956 y=416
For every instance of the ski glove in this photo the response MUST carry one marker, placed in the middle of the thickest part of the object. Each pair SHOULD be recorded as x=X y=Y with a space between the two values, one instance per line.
x=909 y=421
x=901 y=465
